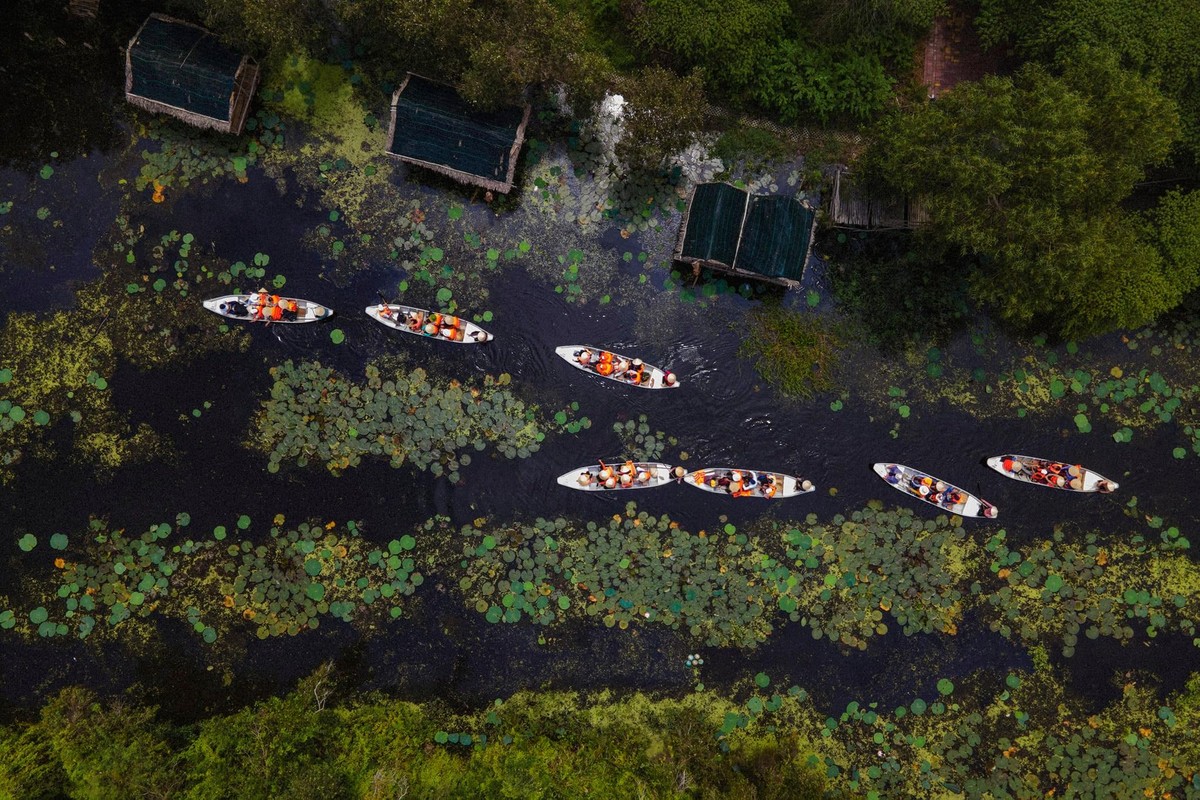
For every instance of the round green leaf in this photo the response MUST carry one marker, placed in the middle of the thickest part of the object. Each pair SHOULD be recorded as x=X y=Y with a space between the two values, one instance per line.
x=58 y=541
x=27 y=542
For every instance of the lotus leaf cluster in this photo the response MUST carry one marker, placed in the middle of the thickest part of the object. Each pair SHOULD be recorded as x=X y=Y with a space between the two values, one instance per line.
x=639 y=442
x=1026 y=738
x=287 y=583
x=317 y=414
x=634 y=569
x=842 y=578
x=282 y=584
x=1060 y=590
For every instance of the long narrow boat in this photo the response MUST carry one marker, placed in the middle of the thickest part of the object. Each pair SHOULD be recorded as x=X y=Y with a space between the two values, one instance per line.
x=935 y=492
x=1052 y=474
x=611 y=477
x=748 y=483
x=230 y=305
x=429 y=324
x=616 y=367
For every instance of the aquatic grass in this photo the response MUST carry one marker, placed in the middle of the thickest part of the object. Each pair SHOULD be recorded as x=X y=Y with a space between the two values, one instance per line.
x=315 y=414
x=793 y=351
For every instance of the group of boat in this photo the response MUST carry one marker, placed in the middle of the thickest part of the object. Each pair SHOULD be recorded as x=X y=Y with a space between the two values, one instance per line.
x=632 y=371
x=720 y=480
x=1027 y=469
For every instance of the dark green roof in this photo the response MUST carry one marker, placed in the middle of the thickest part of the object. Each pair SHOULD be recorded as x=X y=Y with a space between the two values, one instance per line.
x=768 y=235
x=184 y=66
x=434 y=126
x=714 y=222
x=775 y=237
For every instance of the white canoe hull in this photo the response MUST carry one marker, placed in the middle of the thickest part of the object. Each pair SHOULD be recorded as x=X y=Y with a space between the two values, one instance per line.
x=909 y=479
x=652 y=377
x=452 y=329
x=659 y=474
x=306 y=310
x=787 y=485
x=1089 y=481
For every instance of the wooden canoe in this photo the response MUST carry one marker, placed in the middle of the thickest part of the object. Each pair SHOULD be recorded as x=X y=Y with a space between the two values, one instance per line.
x=624 y=371
x=414 y=321
x=924 y=487
x=306 y=310
x=755 y=483
x=647 y=475
x=1051 y=474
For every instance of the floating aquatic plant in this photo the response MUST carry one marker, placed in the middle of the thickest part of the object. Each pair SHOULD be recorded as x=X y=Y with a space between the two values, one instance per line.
x=283 y=584
x=639 y=443
x=635 y=569
x=1059 y=590
x=316 y=414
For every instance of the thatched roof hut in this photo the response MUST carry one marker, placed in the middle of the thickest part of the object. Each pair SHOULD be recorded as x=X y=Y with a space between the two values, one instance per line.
x=176 y=68
x=765 y=237
x=432 y=126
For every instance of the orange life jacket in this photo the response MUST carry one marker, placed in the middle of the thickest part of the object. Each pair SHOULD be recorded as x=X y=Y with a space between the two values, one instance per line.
x=604 y=368
x=277 y=312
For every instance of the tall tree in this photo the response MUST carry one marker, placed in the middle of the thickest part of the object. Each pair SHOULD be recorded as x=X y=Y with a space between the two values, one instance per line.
x=662 y=116
x=1025 y=175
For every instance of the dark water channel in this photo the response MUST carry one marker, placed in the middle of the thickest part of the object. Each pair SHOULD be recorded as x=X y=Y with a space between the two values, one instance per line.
x=722 y=415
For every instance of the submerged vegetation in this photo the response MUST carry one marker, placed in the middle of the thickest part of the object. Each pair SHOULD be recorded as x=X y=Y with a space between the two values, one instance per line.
x=315 y=414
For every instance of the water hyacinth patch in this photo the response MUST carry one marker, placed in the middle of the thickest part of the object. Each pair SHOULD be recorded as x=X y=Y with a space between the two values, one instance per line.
x=402 y=416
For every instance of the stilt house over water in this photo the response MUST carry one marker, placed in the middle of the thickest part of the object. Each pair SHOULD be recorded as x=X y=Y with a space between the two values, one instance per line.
x=433 y=127
x=177 y=68
x=765 y=237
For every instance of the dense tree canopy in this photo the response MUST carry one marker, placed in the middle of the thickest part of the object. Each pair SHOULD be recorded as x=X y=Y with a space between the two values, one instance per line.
x=661 y=117
x=1025 y=174
x=1160 y=38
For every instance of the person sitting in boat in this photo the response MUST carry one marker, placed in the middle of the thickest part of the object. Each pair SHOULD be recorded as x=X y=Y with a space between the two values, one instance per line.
x=626 y=480
x=605 y=367
x=415 y=321
x=586 y=478
x=669 y=378
x=893 y=474
x=291 y=310
x=643 y=477
x=235 y=308
x=766 y=485
x=431 y=329
x=610 y=482
x=276 y=312
x=989 y=510
x=806 y=485
x=479 y=336
x=583 y=357
x=1104 y=486
x=678 y=474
